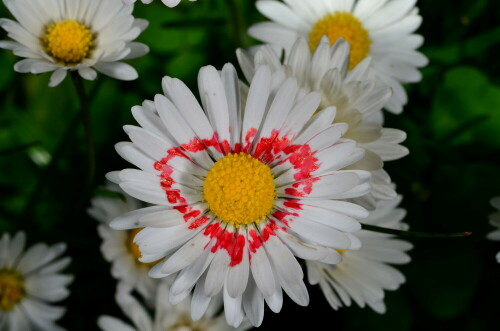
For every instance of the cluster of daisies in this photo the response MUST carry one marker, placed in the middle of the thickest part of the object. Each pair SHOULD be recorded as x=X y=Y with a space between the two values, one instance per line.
x=239 y=191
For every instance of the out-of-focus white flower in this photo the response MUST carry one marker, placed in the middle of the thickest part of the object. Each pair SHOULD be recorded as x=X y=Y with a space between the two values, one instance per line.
x=168 y=3
x=166 y=316
x=495 y=221
x=363 y=275
x=383 y=30
x=29 y=281
x=118 y=247
x=74 y=35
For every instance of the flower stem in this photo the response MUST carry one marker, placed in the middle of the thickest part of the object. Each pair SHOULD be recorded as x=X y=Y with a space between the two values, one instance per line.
x=85 y=115
x=237 y=23
x=414 y=234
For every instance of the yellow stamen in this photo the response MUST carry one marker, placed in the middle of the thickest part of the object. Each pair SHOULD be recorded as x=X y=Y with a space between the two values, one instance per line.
x=347 y=26
x=240 y=189
x=133 y=248
x=68 y=42
x=11 y=289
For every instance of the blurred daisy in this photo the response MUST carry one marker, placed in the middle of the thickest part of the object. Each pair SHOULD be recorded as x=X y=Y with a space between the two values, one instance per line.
x=382 y=29
x=363 y=275
x=357 y=99
x=234 y=183
x=28 y=282
x=166 y=316
x=168 y=3
x=118 y=247
x=74 y=35
x=495 y=221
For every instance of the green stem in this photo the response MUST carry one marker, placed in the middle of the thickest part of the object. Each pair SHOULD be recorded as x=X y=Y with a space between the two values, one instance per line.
x=414 y=234
x=85 y=115
x=237 y=23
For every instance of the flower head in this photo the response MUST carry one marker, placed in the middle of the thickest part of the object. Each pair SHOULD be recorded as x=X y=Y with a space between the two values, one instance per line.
x=240 y=188
x=166 y=316
x=118 y=247
x=168 y=3
x=383 y=30
x=357 y=98
x=28 y=280
x=363 y=275
x=74 y=35
x=495 y=221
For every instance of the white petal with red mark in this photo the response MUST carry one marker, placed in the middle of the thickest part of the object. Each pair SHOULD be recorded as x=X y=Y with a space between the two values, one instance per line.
x=237 y=275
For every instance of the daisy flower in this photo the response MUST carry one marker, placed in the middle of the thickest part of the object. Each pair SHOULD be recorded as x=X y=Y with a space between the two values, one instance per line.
x=168 y=3
x=118 y=247
x=74 y=35
x=383 y=30
x=166 y=315
x=357 y=98
x=29 y=281
x=363 y=275
x=240 y=189
x=495 y=221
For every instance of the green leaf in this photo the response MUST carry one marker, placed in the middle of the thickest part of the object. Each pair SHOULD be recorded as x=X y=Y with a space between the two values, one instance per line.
x=466 y=108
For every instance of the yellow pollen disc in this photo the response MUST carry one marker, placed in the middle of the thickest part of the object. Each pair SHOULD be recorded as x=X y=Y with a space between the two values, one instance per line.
x=68 y=42
x=240 y=189
x=341 y=251
x=11 y=289
x=347 y=26
x=133 y=248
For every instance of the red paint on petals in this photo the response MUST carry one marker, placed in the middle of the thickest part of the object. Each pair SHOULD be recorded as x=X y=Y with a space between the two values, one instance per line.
x=198 y=222
x=292 y=204
x=191 y=213
x=250 y=134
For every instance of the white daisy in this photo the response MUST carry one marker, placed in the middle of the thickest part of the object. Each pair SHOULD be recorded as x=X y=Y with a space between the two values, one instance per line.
x=382 y=29
x=74 y=35
x=240 y=189
x=118 y=247
x=358 y=100
x=495 y=221
x=168 y=3
x=363 y=275
x=28 y=282
x=167 y=317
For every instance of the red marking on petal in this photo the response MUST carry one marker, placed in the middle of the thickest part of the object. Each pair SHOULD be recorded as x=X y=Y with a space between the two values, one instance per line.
x=250 y=134
x=198 y=222
x=191 y=214
x=238 y=250
x=294 y=192
x=264 y=143
x=292 y=204
x=195 y=145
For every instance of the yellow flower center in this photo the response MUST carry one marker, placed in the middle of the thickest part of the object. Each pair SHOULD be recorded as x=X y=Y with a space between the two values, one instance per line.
x=240 y=189
x=68 y=42
x=347 y=26
x=11 y=289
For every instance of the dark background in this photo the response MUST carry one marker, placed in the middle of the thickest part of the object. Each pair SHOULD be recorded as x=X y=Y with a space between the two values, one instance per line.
x=452 y=122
